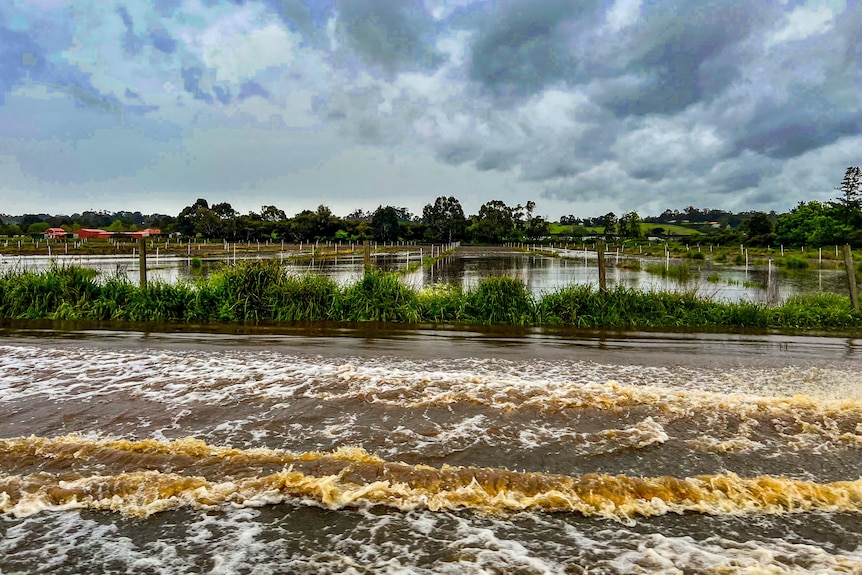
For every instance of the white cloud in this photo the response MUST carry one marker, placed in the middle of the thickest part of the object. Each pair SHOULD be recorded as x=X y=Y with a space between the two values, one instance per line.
x=237 y=48
x=665 y=146
x=802 y=23
x=623 y=14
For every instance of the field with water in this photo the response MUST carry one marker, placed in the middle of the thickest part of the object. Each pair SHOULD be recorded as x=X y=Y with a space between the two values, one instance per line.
x=417 y=451
x=467 y=266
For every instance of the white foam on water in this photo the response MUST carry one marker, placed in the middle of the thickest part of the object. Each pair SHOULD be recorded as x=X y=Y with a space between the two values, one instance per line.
x=415 y=542
x=210 y=377
x=187 y=381
x=47 y=544
x=657 y=553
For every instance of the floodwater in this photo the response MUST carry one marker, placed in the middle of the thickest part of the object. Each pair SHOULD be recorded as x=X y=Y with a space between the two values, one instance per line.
x=540 y=273
x=336 y=450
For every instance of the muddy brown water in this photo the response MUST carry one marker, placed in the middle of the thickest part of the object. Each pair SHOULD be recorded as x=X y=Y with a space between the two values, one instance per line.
x=365 y=449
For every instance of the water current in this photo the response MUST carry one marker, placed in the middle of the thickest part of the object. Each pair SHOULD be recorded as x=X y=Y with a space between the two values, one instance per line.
x=428 y=451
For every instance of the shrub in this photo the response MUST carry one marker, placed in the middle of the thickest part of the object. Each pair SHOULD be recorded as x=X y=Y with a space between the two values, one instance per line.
x=500 y=300
x=793 y=262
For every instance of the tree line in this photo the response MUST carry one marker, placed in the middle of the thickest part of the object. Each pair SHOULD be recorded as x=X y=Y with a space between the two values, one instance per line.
x=443 y=221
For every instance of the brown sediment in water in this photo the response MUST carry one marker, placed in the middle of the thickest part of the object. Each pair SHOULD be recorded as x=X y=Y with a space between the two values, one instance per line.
x=139 y=478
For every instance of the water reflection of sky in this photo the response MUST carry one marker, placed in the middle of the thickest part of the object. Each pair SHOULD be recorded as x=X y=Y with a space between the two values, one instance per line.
x=540 y=274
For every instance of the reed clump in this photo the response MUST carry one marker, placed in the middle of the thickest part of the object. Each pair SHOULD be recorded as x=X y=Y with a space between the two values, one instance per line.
x=680 y=272
x=263 y=291
x=792 y=262
x=501 y=300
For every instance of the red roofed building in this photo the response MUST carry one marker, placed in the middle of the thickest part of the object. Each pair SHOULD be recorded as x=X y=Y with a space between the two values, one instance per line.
x=55 y=233
x=84 y=233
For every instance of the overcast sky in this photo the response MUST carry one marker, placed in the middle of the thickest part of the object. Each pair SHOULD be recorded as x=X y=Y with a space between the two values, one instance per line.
x=583 y=106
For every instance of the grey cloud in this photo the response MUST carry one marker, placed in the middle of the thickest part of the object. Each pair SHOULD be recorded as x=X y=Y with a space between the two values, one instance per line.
x=848 y=26
x=807 y=120
x=250 y=89
x=131 y=42
x=295 y=14
x=649 y=173
x=683 y=52
x=497 y=159
x=166 y=7
x=392 y=35
x=748 y=171
x=20 y=56
x=222 y=94
x=457 y=153
x=162 y=41
x=358 y=113
x=524 y=45
x=192 y=84
x=762 y=198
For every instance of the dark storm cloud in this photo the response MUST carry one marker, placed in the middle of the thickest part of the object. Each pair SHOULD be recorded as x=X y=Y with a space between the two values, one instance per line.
x=192 y=84
x=166 y=8
x=222 y=94
x=250 y=89
x=683 y=52
x=301 y=16
x=848 y=27
x=523 y=46
x=391 y=35
x=131 y=42
x=20 y=57
x=742 y=180
x=162 y=41
x=804 y=123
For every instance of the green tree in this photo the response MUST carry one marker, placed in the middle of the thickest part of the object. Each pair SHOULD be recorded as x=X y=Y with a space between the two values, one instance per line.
x=224 y=211
x=444 y=220
x=851 y=189
x=206 y=223
x=851 y=205
x=10 y=230
x=119 y=226
x=811 y=224
x=759 y=229
x=37 y=228
x=537 y=228
x=303 y=226
x=384 y=224
x=272 y=214
x=610 y=223
x=630 y=225
x=493 y=224
x=185 y=223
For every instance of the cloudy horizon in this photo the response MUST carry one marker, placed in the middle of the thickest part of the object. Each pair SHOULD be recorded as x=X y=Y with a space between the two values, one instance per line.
x=583 y=106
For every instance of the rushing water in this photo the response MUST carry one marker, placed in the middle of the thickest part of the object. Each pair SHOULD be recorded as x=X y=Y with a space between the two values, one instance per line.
x=429 y=451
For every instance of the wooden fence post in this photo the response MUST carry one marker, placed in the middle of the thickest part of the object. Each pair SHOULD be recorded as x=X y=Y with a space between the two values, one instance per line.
x=600 y=254
x=851 y=276
x=143 y=262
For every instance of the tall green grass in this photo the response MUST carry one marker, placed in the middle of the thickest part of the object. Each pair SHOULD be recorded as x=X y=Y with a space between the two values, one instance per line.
x=262 y=291
x=680 y=272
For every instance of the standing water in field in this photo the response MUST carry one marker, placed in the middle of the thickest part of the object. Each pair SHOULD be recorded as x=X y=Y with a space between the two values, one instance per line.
x=429 y=452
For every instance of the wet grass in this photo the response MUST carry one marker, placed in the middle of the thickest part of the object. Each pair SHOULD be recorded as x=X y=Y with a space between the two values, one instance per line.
x=680 y=272
x=262 y=291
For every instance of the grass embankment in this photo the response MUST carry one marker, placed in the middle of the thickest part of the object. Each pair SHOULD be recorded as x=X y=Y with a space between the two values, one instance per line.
x=261 y=291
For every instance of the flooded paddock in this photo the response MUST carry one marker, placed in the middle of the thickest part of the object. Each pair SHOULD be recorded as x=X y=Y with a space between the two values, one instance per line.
x=470 y=265
x=372 y=450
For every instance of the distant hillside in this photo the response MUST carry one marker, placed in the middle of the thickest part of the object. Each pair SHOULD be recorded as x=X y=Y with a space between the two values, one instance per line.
x=646 y=228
